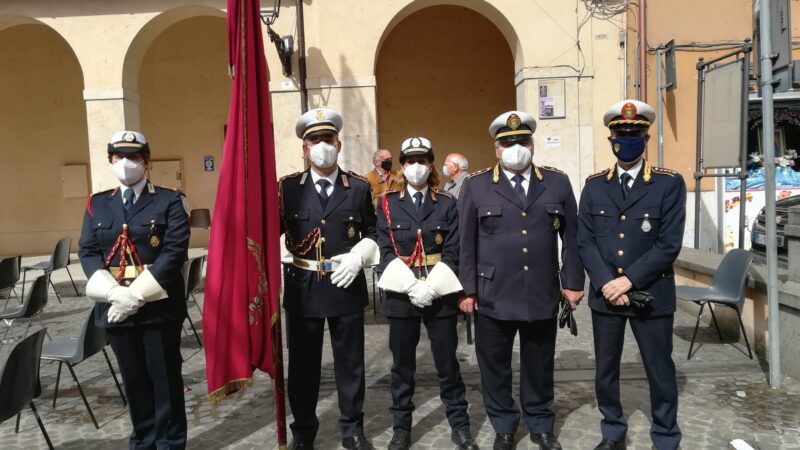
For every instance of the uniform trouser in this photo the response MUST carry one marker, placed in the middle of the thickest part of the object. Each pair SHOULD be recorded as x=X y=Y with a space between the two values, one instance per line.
x=305 y=360
x=654 y=337
x=149 y=358
x=494 y=343
x=403 y=339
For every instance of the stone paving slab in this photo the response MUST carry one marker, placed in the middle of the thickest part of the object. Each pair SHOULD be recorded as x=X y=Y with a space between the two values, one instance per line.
x=723 y=395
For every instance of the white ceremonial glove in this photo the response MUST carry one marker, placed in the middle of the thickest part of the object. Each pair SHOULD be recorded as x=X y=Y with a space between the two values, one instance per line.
x=115 y=316
x=124 y=301
x=421 y=294
x=350 y=265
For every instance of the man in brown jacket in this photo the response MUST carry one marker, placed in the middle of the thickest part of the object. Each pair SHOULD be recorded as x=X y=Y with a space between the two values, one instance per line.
x=382 y=178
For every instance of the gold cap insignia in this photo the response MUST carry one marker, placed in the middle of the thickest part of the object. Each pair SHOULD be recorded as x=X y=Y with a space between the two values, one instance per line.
x=129 y=137
x=629 y=111
x=513 y=122
x=320 y=115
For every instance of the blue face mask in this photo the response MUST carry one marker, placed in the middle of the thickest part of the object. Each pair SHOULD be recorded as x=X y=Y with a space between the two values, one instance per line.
x=628 y=148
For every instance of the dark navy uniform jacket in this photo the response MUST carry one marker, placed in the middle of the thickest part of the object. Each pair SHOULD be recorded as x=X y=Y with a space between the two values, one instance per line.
x=509 y=249
x=348 y=217
x=160 y=214
x=438 y=221
x=639 y=237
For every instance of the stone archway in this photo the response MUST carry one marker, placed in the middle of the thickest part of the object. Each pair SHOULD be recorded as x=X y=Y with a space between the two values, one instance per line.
x=44 y=150
x=444 y=72
x=184 y=93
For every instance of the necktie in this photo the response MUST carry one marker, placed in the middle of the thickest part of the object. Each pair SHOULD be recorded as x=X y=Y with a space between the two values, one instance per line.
x=128 y=203
x=323 y=191
x=418 y=201
x=625 y=178
x=518 y=189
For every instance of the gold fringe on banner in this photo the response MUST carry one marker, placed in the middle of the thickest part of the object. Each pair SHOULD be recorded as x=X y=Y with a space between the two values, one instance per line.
x=233 y=386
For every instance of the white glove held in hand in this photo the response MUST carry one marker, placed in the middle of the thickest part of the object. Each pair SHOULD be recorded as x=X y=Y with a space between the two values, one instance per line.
x=349 y=267
x=123 y=300
x=115 y=316
x=421 y=294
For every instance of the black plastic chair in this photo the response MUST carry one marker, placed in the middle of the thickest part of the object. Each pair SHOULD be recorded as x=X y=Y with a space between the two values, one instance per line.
x=72 y=351
x=19 y=381
x=30 y=308
x=727 y=289
x=58 y=260
x=9 y=276
x=192 y=277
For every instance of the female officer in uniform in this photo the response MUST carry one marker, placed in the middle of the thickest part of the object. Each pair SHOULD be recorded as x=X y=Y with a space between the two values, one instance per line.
x=418 y=238
x=133 y=243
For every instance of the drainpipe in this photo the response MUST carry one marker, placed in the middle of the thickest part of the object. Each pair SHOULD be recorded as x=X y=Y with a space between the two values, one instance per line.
x=301 y=57
x=642 y=51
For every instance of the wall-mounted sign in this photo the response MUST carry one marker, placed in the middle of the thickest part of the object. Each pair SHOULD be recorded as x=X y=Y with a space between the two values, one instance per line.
x=208 y=163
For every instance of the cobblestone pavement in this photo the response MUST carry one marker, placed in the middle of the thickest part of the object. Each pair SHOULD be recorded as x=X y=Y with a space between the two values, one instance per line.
x=723 y=395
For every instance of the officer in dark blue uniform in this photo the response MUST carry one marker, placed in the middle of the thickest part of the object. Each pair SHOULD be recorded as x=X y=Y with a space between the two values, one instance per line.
x=328 y=219
x=511 y=218
x=418 y=238
x=134 y=241
x=630 y=232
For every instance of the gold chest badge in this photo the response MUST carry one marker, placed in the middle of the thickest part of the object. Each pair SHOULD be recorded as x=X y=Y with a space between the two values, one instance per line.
x=351 y=232
x=438 y=239
x=154 y=241
x=556 y=224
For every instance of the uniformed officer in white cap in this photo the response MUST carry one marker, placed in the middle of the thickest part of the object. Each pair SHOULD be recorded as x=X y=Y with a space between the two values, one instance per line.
x=328 y=218
x=630 y=232
x=418 y=236
x=511 y=218
x=133 y=244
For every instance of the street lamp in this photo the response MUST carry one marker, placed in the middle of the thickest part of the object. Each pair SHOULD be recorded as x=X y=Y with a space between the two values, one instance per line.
x=284 y=45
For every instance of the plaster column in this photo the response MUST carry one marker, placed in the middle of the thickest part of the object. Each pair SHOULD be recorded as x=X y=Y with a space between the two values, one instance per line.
x=353 y=98
x=107 y=112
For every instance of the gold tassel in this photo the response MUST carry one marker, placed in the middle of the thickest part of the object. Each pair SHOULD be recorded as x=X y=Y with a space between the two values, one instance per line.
x=234 y=386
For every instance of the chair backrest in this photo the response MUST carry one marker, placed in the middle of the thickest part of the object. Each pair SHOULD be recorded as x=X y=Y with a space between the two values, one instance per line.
x=195 y=275
x=187 y=267
x=92 y=338
x=9 y=272
x=19 y=380
x=36 y=298
x=60 y=257
x=731 y=275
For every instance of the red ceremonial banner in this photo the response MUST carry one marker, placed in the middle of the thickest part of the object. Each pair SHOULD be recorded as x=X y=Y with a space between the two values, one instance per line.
x=241 y=319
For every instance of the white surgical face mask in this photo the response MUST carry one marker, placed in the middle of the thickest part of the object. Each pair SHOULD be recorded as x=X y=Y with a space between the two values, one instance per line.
x=516 y=157
x=127 y=171
x=416 y=173
x=445 y=171
x=323 y=155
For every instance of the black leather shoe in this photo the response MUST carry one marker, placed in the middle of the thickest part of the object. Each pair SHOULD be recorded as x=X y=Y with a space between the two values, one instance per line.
x=504 y=441
x=546 y=441
x=301 y=445
x=401 y=440
x=463 y=439
x=608 y=444
x=357 y=442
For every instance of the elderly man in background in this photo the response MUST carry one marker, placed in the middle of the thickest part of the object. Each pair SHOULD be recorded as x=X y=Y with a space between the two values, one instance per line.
x=382 y=178
x=455 y=168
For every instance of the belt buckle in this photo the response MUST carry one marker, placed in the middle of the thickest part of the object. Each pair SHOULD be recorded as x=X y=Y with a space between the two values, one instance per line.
x=327 y=265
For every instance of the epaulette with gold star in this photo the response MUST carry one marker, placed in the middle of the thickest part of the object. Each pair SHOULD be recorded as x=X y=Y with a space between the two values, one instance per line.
x=480 y=172
x=663 y=171
x=444 y=193
x=291 y=175
x=596 y=175
x=355 y=175
x=553 y=169
x=89 y=199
